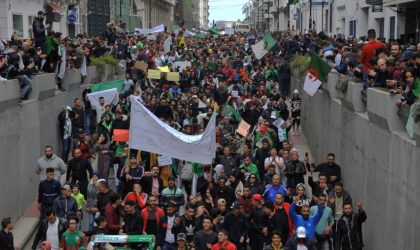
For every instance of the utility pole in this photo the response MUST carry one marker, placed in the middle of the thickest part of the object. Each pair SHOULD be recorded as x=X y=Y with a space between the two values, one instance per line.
x=310 y=14
x=278 y=15
x=121 y=10
x=150 y=14
x=322 y=15
x=268 y=16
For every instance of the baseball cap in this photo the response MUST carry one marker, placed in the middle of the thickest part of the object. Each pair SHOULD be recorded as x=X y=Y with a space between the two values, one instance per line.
x=258 y=197
x=301 y=232
x=236 y=205
x=181 y=236
x=66 y=187
x=41 y=12
x=263 y=128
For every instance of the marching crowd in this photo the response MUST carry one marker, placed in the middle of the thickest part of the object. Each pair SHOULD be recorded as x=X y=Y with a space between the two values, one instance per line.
x=260 y=192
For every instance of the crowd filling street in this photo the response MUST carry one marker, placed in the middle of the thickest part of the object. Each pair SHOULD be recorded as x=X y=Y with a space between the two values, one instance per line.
x=260 y=192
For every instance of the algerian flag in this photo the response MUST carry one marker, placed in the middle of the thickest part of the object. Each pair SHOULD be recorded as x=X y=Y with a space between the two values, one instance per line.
x=213 y=31
x=262 y=47
x=117 y=84
x=317 y=73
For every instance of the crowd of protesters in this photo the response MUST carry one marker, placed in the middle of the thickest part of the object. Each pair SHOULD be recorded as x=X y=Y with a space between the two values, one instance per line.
x=260 y=192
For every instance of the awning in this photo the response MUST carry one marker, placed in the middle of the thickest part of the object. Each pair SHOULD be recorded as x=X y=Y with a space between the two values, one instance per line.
x=55 y=8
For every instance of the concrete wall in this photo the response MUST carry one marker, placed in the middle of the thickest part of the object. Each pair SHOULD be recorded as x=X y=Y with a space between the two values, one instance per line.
x=379 y=162
x=25 y=130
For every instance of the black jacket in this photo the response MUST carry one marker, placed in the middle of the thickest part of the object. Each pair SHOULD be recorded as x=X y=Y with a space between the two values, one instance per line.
x=78 y=169
x=258 y=220
x=348 y=233
x=39 y=30
x=294 y=173
x=41 y=235
x=48 y=191
x=280 y=222
x=237 y=226
x=133 y=223
x=185 y=226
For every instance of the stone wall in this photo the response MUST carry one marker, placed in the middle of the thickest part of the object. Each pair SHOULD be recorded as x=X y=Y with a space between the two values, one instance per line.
x=378 y=160
x=25 y=130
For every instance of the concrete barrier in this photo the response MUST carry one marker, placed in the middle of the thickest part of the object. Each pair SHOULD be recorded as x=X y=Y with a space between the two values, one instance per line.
x=72 y=79
x=329 y=87
x=382 y=110
x=379 y=163
x=110 y=72
x=43 y=86
x=9 y=94
x=417 y=133
x=352 y=99
x=92 y=75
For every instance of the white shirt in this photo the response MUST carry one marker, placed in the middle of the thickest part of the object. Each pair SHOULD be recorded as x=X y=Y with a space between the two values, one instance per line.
x=52 y=235
x=278 y=161
x=301 y=247
x=170 y=238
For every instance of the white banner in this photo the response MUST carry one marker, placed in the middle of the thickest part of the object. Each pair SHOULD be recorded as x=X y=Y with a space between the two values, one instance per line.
x=182 y=65
x=149 y=133
x=159 y=28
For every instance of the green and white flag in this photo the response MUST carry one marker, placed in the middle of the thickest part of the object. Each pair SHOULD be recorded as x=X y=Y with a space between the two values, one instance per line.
x=261 y=48
x=317 y=73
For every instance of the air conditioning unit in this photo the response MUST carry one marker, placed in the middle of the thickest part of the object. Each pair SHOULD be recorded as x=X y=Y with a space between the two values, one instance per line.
x=56 y=17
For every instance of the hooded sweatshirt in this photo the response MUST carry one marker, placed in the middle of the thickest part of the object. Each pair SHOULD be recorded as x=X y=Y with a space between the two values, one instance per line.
x=54 y=162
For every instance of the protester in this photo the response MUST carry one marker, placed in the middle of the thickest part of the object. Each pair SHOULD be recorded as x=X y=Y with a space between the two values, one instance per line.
x=48 y=190
x=50 y=229
x=6 y=236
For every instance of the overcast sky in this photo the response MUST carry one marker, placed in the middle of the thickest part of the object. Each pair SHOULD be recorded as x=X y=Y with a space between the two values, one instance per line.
x=227 y=10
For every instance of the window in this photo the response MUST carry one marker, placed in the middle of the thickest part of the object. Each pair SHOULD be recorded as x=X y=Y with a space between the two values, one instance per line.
x=392 y=27
x=18 y=24
x=353 y=28
x=30 y=21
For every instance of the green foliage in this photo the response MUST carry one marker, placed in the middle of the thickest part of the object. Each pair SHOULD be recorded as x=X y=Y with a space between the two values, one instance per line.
x=98 y=62
x=102 y=61
x=110 y=60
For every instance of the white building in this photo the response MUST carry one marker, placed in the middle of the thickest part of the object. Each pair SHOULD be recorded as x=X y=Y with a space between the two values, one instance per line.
x=346 y=17
x=18 y=15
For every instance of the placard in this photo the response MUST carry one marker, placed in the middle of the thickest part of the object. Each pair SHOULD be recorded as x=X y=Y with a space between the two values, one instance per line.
x=153 y=74
x=141 y=66
x=243 y=128
x=172 y=76
x=121 y=135
x=164 y=161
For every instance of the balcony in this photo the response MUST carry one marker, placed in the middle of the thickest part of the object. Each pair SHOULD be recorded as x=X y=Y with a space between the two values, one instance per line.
x=374 y=2
x=401 y=3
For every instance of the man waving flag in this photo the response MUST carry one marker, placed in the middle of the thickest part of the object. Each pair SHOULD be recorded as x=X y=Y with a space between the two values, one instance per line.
x=317 y=73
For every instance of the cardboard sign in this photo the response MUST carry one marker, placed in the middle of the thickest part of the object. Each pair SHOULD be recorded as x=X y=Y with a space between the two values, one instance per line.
x=235 y=93
x=121 y=135
x=164 y=69
x=182 y=65
x=141 y=66
x=243 y=128
x=153 y=74
x=164 y=160
x=172 y=76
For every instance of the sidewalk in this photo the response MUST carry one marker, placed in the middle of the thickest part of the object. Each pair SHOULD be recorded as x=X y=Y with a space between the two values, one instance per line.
x=25 y=226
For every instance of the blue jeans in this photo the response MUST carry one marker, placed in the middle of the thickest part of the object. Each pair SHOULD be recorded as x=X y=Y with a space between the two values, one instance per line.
x=25 y=84
x=91 y=221
x=169 y=246
x=66 y=149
